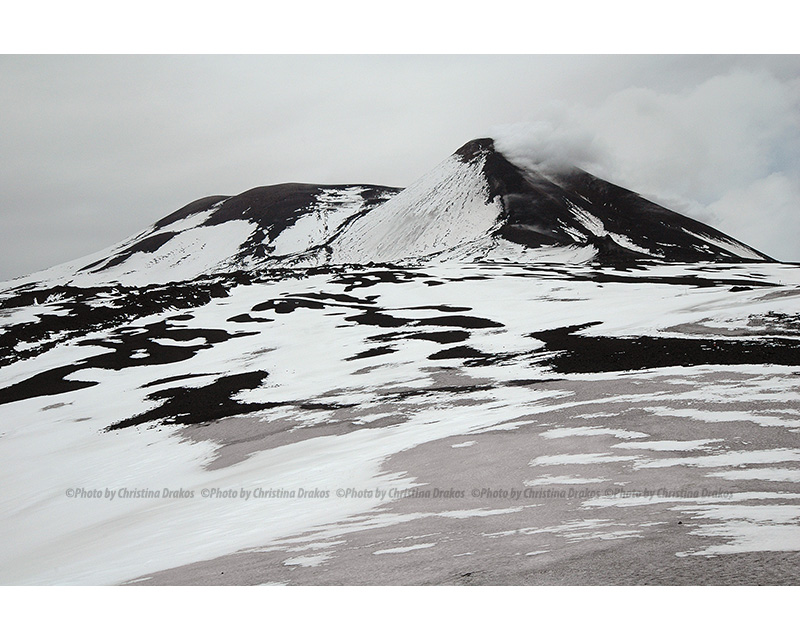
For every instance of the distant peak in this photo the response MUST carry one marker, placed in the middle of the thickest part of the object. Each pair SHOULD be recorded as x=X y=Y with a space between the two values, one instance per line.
x=475 y=148
x=510 y=167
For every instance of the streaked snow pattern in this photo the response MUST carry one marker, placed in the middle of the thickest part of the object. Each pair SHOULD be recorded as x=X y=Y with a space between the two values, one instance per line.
x=315 y=381
x=446 y=208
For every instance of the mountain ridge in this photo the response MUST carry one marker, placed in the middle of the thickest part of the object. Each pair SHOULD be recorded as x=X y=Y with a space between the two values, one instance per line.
x=541 y=196
x=475 y=205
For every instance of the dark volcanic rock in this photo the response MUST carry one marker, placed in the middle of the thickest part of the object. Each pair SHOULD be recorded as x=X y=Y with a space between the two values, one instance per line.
x=571 y=352
x=549 y=208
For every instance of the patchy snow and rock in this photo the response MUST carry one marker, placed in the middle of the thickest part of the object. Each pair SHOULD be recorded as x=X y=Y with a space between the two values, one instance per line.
x=494 y=376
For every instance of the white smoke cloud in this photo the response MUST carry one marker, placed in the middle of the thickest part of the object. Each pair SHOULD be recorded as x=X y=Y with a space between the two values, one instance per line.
x=724 y=151
x=546 y=143
x=766 y=213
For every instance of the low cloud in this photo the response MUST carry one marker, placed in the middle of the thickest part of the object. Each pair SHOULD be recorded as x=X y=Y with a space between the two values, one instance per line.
x=546 y=144
x=723 y=151
x=765 y=213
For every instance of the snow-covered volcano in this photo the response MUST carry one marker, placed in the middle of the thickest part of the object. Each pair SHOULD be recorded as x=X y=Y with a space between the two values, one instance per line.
x=476 y=205
x=498 y=375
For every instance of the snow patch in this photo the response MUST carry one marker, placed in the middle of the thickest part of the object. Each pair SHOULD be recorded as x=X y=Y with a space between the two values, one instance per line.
x=413 y=547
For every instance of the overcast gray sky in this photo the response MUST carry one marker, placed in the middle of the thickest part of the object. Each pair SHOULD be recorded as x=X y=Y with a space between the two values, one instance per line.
x=95 y=148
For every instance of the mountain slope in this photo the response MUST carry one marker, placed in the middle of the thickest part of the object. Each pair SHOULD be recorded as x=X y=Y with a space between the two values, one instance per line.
x=459 y=377
x=572 y=206
x=219 y=234
x=476 y=205
x=503 y=404
x=479 y=205
x=447 y=208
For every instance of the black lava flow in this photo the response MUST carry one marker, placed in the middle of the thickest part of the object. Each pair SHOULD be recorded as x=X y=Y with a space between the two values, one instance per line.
x=129 y=347
x=571 y=352
x=83 y=310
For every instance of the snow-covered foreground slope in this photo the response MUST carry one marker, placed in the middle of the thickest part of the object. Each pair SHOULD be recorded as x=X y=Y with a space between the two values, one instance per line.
x=268 y=386
x=290 y=413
